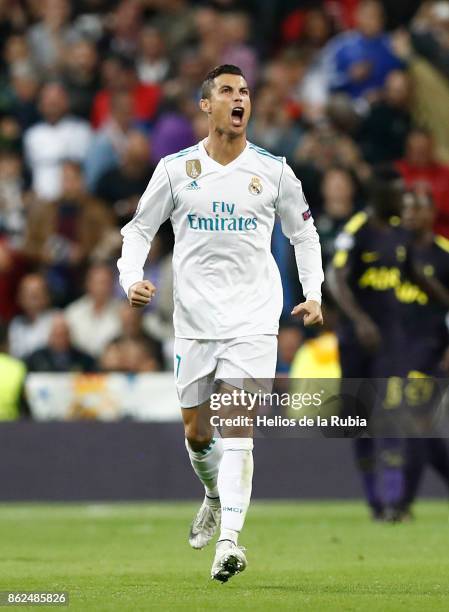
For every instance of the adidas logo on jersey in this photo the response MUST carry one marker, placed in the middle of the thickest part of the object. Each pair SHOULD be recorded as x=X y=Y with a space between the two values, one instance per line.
x=193 y=186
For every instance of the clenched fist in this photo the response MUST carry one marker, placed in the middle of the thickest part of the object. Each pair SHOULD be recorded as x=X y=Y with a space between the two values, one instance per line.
x=141 y=293
x=310 y=311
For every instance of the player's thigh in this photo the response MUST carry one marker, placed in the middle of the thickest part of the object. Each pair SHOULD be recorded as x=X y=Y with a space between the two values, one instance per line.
x=248 y=362
x=236 y=414
x=194 y=369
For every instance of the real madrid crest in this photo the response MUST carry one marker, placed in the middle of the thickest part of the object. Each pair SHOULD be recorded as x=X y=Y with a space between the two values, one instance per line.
x=255 y=187
x=193 y=168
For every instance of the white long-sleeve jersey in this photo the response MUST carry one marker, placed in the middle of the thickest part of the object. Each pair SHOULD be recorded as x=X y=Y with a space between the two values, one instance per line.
x=226 y=282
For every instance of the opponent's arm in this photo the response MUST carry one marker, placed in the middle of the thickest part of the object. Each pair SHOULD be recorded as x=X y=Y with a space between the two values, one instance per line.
x=338 y=283
x=434 y=288
x=155 y=207
x=298 y=226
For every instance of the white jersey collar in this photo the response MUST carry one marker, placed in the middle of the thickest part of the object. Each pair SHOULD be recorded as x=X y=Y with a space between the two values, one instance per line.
x=204 y=154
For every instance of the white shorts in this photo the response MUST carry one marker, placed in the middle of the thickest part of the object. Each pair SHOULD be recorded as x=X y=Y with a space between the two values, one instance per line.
x=200 y=364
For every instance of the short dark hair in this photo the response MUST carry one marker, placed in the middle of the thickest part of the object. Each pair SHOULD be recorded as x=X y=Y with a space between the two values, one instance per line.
x=208 y=82
x=385 y=193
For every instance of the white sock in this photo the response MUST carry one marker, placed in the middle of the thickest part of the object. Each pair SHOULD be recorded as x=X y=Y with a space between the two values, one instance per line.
x=234 y=485
x=206 y=464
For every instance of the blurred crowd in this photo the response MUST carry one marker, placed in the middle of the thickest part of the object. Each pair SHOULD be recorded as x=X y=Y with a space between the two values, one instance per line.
x=94 y=92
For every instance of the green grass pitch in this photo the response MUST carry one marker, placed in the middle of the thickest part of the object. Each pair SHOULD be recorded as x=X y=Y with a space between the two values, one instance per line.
x=302 y=556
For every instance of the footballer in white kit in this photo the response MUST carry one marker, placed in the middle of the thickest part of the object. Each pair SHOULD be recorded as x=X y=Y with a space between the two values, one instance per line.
x=222 y=196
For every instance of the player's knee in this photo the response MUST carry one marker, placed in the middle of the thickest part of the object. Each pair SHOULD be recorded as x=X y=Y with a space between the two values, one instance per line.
x=197 y=439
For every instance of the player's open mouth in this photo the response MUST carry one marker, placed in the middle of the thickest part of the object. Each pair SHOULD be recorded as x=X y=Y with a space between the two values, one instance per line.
x=237 y=115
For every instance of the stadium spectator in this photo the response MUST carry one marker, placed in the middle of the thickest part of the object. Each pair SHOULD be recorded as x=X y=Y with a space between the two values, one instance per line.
x=187 y=78
x=430 y=34
x=317 y=358
x=10 y=134
x=59 y=355
x=121 y=187
x=132 y=323
x=12 y=267
x=110 y=359
x=199 y=124
x=341 y=115
x=119 y=75
x=310 y=28
x=289 y=340
x=311 y=91
x=210 y=35
x=12 y=17
x=21 y=81
x=66 y=234
x=12 y=198
x=13 y=226
x=384 y=130
x=158 y=315
x=133 y=328
x=175 y=20
x=422 y=171
x=338 y=191
x=109 y=143
x=80 y=77
x=131 y=320
x=50 y=37
x=236 y=50
x=325 y=146
x=285 y=74
x=57 y=138
x=22 y=96
x=124 y=25
x=173 y=130
x=12 y=381
x=17 y=54
x=271 y=127
x=139 y=356
x=400 y=12
x=30 y=330
x=316 y=367
x=94 y=318
x=309 y=31
x=359 y=61
x=133 y=355
x=153 y=63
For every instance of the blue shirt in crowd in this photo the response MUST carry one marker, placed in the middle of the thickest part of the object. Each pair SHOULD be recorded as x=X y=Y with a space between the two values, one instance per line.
x=352 y=48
